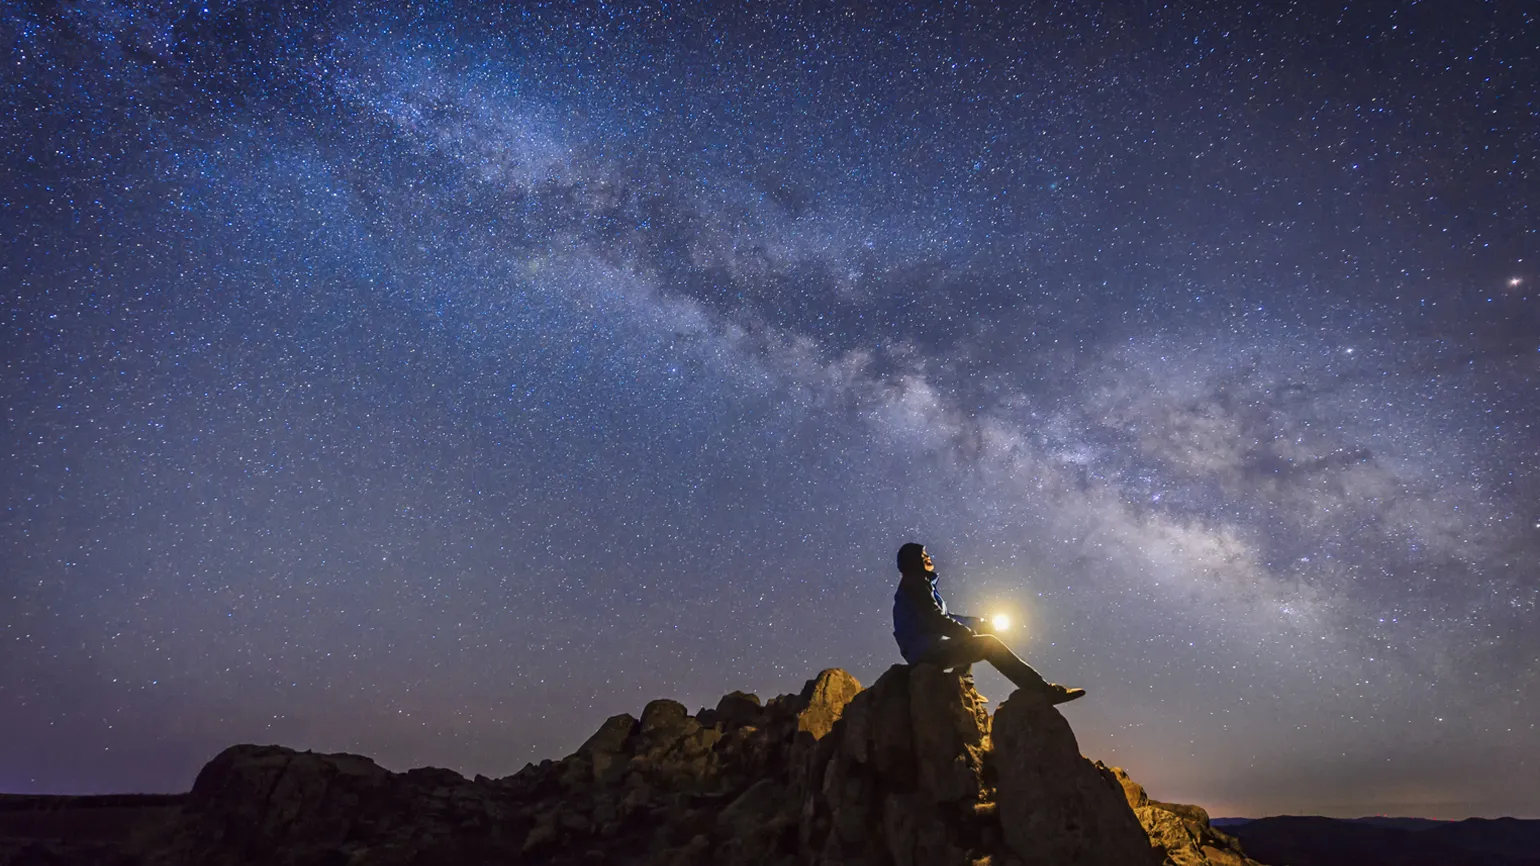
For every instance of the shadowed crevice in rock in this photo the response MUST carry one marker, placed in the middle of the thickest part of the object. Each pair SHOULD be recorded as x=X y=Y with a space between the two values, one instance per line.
x=910 y=772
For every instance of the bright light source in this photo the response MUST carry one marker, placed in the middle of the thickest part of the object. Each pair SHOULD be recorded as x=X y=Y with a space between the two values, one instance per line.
x=1000 y=621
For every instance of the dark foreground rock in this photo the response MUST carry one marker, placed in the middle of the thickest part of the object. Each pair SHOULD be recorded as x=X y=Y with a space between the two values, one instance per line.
x=910 y=772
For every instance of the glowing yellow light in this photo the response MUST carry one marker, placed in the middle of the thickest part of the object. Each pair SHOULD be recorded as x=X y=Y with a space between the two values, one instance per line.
x=1000 y=621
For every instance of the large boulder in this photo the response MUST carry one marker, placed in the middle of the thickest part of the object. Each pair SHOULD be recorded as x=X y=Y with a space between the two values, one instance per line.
x=905 y=782
x=268 y=804
x=1056 y=806
x=878 y=731
x=951 y=735
x=605 y=751
x=268 y=796
x=738 y=708
x=824 y=699
x=663 y=721
x=611 y=738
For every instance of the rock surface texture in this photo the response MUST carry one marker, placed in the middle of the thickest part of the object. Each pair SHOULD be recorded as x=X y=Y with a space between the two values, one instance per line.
x=910 y=772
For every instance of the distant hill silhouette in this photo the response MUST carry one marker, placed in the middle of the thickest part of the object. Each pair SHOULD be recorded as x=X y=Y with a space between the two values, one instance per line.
x=1311 y=841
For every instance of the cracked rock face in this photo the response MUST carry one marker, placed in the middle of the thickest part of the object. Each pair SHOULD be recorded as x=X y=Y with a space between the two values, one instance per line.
x=910 y=772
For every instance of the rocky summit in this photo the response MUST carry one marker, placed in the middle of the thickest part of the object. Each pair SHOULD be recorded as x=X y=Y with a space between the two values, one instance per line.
x=910 y=772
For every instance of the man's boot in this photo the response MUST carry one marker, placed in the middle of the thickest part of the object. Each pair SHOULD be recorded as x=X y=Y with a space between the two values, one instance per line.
x=1058 y=694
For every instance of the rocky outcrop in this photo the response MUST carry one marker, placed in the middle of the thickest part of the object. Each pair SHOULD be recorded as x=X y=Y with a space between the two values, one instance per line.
x=910 y=772
x=1058 y=807
x=1181 y=833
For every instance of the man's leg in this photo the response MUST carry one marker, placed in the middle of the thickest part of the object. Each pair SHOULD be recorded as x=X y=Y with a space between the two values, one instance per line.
x=1011 y=665
x=958 y=652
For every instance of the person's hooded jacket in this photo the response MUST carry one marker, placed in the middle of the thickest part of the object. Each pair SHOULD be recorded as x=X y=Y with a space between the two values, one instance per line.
x=920 y=617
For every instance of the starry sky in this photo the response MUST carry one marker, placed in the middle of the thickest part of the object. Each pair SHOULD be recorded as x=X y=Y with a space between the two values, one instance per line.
x=432 y=382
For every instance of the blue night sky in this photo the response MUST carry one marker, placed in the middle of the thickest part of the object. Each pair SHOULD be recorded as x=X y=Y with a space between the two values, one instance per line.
x=434 y=382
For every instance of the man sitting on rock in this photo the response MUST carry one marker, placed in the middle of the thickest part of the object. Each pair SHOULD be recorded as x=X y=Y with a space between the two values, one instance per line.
x=927 y=634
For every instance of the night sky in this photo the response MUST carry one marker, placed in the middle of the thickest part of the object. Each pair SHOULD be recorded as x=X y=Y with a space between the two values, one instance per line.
x=432 y=383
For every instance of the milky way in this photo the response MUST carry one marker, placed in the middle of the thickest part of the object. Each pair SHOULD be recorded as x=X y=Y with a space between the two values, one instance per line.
x=432 y=384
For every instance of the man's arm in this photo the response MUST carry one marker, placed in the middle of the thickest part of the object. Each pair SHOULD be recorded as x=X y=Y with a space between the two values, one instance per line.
x=930 y=613
x=972 y=623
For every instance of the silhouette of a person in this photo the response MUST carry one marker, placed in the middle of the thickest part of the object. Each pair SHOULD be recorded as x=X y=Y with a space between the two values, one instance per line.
x=928 y=634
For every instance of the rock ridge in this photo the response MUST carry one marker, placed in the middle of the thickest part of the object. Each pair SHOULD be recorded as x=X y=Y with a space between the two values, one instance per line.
x=912 y=771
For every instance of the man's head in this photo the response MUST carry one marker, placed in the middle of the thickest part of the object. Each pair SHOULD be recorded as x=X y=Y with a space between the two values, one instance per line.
x=914 y=559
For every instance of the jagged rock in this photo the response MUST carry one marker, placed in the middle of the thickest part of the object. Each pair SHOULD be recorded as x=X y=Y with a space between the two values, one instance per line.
x=912 y=771
x=908 y=772
x=1180 y=833
x=267 y=804
x=1133 y=792
x=611 y=738
x=951 y=734
x=872 y=737
x=1056 y=806
x=824 y=699
x=664 y=720
x=1195 y=814
x=738 y=708
x=268 y=796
